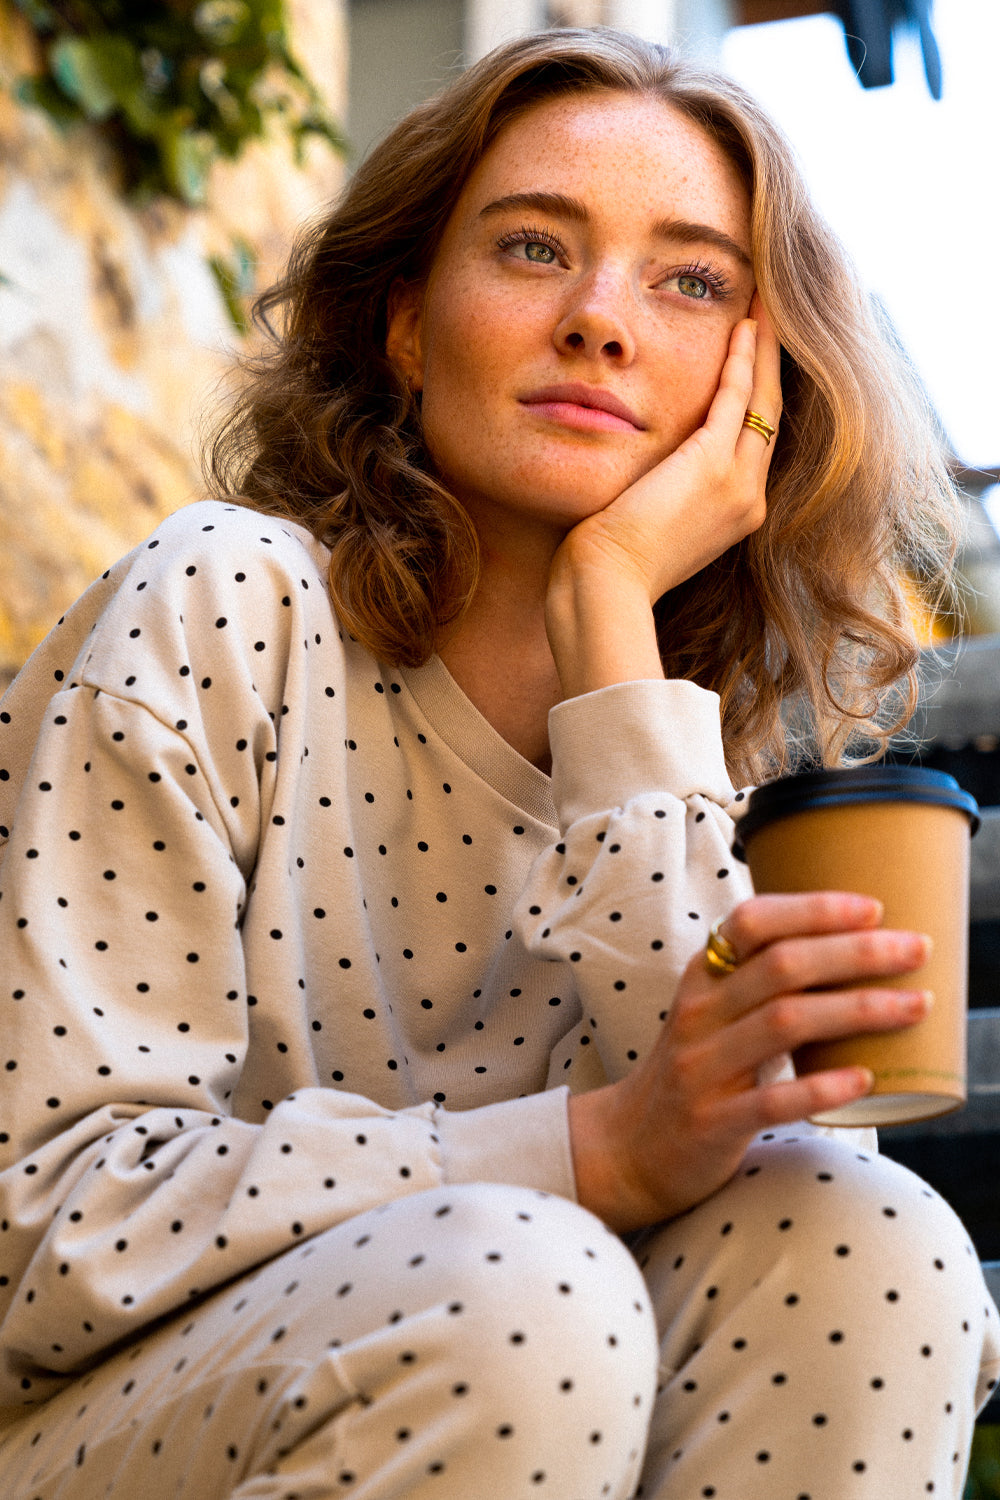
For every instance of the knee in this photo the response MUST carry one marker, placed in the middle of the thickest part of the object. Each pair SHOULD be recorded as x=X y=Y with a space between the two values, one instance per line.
x=540 y=1275
x=854 y=1217
x=811 y=1231
x=544 y=1251
x=831 y=1188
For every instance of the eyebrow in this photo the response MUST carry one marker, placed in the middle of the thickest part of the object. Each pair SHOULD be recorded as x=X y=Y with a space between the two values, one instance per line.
x=682 y=231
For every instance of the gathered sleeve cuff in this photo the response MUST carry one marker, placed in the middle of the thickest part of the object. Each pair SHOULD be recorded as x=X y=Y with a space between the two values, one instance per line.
x=642 y=867
x=523 y=1142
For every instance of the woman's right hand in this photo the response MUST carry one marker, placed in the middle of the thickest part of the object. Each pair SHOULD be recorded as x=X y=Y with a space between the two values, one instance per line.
x=677 y=1126
x=672 y=521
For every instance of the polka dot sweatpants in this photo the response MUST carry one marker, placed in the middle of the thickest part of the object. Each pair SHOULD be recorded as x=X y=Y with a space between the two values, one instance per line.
x=824 y=1334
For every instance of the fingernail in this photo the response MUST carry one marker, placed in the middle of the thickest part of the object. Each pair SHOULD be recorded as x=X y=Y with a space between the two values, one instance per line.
x=866 y=1077
x=923 y=947
x=915 y=1004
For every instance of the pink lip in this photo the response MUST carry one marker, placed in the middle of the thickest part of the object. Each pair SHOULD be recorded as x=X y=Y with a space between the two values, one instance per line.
x=569 y=402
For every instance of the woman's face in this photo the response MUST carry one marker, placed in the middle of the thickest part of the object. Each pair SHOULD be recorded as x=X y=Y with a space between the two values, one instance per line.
x=579 y=307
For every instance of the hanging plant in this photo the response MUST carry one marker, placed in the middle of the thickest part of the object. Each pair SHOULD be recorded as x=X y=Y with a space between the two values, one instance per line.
x=173 y=84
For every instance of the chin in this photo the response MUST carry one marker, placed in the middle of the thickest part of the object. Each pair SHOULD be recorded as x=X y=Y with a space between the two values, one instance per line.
x=560 y=507
x=558 y=495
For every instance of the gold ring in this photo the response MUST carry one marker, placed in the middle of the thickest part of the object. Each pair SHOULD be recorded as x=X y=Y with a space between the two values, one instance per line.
x=720 y=955
x=754 y=420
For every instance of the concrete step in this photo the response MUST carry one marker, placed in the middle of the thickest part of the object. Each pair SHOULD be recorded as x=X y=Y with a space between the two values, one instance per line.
x=981 y=1114
x=991 y=1270
x=984 y=902
x=960 y=701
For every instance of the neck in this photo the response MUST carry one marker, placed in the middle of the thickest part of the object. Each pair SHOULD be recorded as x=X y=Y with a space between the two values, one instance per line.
x=499 y=653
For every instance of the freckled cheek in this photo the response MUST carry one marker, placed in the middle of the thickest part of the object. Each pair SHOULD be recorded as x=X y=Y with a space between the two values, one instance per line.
x=472 y=362
x=689 y=364
x=458 y=406
x=464 y=363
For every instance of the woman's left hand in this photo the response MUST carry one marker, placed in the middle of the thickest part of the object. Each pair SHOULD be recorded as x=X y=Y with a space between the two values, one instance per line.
x=700 y=500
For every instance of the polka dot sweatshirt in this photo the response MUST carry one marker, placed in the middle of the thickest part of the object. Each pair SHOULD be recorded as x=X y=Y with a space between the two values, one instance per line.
x=286 y=934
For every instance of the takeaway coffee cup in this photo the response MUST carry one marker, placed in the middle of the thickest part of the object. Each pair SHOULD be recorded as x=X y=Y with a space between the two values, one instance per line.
x=900 y=833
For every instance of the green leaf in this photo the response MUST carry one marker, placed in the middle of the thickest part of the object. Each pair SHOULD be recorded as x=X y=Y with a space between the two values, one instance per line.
x=180 y=81
x=270 y=21
x=234 y=276
x=41 y=16
x=323 y=128
x=97 y=72
x=42 y=93
x=187 y=156
x=141 y=113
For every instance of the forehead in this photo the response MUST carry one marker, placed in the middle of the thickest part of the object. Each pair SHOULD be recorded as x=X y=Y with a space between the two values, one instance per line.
x=634 y=149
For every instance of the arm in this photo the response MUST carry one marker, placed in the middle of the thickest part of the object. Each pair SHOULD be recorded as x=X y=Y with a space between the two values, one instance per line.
x=687 y=1053
x=128 y=1184
x=643 y=864
x=144 y=1154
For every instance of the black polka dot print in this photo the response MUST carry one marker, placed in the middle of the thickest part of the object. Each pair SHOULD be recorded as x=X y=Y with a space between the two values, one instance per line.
x=288 y=939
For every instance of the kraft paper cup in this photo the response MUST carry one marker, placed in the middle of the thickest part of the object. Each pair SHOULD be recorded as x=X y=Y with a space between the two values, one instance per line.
x=900 y=833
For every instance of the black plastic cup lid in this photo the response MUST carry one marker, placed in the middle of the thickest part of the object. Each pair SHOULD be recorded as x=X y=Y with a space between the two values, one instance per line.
x=811 y=790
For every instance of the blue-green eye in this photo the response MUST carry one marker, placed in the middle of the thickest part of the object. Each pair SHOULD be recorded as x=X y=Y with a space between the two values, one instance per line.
x=539 y=246
x=692 y=286
x=698 y=283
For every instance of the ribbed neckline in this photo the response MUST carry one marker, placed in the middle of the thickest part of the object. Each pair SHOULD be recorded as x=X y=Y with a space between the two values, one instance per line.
x=473 y=739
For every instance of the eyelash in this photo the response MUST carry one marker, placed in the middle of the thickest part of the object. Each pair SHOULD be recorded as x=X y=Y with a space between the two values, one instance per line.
x=528 y=236
x=717 y=283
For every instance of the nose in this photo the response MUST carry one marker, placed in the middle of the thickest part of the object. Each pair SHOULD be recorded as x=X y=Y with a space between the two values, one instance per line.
x=596 y=322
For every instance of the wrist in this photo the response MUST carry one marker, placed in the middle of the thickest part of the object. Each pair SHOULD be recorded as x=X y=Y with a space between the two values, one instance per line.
x=601 y=629
x=602 y=1182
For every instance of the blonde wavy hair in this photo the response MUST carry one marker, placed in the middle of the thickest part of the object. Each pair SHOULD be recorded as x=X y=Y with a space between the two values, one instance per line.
x=812 y=610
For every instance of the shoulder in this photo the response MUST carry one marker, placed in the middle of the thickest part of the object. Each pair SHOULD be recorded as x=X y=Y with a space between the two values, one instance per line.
x=213 y=577
x=205 y=624
x=227 y=539
x=210 y=615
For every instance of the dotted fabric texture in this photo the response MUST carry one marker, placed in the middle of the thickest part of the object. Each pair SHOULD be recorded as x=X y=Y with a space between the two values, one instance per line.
x=259 y=970
x=822 y=1323
x=295 y=955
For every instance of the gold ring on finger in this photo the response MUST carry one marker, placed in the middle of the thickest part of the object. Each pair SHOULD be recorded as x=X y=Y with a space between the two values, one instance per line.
x=720 y=955
x=754 y=420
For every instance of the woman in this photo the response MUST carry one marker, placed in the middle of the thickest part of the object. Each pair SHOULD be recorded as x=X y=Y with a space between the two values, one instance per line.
x=304 y=941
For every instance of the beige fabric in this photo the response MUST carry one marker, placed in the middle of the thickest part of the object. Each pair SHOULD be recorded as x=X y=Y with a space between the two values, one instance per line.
x=259 y=964
x=823 y=1332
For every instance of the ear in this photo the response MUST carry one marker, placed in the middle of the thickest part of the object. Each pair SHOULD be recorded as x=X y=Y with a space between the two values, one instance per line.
x=403 y=340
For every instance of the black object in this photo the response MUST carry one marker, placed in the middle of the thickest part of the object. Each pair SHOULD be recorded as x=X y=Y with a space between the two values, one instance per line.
x=810 y=790
x=868 y=32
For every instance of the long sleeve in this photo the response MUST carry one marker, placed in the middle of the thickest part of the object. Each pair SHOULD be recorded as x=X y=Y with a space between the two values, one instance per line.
x=642 y=867
x=171 y=999
x=161 y=1192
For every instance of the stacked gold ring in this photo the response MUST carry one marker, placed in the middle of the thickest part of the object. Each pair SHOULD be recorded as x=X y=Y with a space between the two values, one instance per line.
x=720 y=955
x=754 y=420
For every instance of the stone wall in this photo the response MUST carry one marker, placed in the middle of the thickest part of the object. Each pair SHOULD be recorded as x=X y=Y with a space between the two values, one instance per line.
x=113 y=334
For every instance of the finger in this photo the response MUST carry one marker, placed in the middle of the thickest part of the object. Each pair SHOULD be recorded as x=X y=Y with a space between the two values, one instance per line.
x=729 y=405
x=764 y=919
x=765 y=394
x=793 y=966
x=767 y=365
x=785 y=1024
x=785 y=1103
